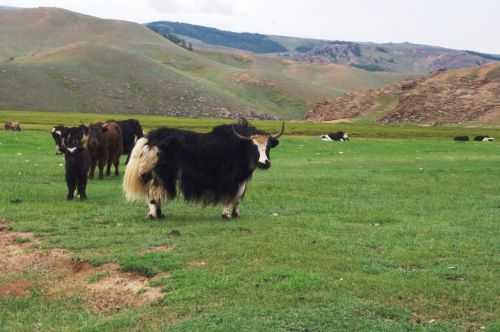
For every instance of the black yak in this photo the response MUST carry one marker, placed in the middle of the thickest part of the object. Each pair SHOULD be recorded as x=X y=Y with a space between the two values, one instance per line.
x=131 y=132
x=212 y=168
x=77 y=160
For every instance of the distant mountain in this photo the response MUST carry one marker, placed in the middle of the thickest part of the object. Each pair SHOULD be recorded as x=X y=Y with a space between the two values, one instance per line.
x=391 y=57
x=5 y=8
x=57 y=60
x=453 y=96
x=252 y=42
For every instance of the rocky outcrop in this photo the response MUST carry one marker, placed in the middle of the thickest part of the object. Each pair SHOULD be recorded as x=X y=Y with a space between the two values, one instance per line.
x=454 y=96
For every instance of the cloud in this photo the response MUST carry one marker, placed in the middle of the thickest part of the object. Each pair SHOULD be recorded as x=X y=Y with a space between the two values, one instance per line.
x=207 y=7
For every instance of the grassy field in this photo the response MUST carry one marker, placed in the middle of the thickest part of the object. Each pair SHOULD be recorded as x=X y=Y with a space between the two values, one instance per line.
x=373 y=235
x=46 y=120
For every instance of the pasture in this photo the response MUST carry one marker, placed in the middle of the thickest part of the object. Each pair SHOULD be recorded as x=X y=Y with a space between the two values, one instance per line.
x=374 y=235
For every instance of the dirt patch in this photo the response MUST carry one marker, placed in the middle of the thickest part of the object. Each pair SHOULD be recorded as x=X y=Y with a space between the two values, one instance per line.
x=18 y=288
x=105 y=288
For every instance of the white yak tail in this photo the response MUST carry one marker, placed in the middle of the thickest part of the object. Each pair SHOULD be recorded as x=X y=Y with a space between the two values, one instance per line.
x=143 y=159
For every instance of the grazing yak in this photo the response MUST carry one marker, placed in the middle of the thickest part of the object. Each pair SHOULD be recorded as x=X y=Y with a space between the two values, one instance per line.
x=77 y=160
x=58 y=133
x=483 y=138
x=12 y=126
x=105 y=145
x=131 y=132
x=212 y=168
x=461 y=139
x=339 y=136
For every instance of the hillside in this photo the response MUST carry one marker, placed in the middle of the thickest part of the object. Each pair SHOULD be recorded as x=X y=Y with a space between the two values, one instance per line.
x=56 y=60
x=454 y=96
x=391 y=57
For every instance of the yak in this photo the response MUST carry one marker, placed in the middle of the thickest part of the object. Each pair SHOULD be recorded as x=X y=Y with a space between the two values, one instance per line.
x=105 y=146
x=337 y=136
x=461 y=139
x=13 y=126
x=131 y=132
x=210 y=168
x=484 y=138
x=77 y=160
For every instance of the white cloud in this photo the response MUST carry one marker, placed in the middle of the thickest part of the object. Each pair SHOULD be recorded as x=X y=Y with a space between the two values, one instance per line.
x=207 y=7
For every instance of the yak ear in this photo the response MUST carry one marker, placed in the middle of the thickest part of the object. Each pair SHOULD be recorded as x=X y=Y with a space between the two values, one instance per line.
x=105 y=127
x=273 y=142
x=85 y=129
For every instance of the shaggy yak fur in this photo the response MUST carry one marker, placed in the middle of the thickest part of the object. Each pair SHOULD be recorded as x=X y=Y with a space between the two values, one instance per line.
x=105 y=147
x=131 y=132
x=212 y=168
x=77 y=160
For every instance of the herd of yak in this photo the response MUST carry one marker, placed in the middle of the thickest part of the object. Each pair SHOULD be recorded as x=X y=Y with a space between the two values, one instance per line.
x=210 y=168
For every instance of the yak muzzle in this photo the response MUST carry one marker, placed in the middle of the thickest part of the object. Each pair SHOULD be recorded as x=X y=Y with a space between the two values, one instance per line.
x=265 y=165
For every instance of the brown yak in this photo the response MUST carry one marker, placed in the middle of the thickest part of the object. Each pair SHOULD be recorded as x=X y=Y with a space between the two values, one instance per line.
x=105 y=145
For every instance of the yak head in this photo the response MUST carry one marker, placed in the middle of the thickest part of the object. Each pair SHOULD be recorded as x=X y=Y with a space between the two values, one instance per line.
x=96 y=134
x=58 y=134
x=75 y=139
x=263 y=142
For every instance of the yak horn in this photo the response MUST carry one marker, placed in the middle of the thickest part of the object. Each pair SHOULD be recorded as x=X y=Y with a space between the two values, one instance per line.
x=281 y=132
x=240 y=136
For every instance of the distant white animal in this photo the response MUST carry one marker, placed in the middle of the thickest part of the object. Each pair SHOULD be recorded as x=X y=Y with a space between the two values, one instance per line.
x=484 y=138
x=339 y=136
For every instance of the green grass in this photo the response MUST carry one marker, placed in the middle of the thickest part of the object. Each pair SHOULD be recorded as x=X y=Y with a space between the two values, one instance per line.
x=373 y=235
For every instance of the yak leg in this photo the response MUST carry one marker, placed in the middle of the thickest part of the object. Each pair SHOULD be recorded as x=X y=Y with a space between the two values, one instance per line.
x=236 y=208
x=102 y=164
x=93 y=165
x=232 y=208
x=117 y=164
x=82 y=185
x=155 y=196
x=71 y=183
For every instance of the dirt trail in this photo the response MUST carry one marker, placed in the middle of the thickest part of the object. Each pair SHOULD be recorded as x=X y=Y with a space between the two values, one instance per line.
x=104 y=288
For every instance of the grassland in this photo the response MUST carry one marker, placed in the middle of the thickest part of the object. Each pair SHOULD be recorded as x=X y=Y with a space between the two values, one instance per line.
x=392 y=234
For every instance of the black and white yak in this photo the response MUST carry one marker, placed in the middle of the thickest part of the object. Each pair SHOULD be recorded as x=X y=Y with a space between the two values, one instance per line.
x=484 y=138
x=339 y=136
x=212 y=168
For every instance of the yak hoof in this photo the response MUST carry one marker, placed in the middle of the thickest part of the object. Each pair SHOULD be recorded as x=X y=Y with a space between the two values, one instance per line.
x=69 y=198
x=235 y=215
x=152 y=217
x=226 y=217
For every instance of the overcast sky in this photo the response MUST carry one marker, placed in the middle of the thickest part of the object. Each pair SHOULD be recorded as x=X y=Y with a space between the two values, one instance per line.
x=461 y=24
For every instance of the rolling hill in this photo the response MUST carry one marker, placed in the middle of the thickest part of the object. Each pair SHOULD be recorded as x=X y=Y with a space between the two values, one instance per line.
x=57 y=60
x=391 y=57
x=468 y=95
